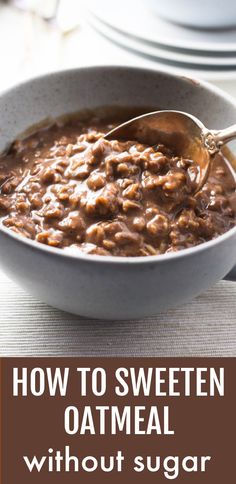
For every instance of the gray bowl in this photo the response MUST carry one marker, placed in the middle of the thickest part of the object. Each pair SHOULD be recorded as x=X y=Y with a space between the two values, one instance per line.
x=113 y=287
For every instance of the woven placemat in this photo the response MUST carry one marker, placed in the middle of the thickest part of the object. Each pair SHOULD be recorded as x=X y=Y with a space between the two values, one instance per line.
x=204 y=327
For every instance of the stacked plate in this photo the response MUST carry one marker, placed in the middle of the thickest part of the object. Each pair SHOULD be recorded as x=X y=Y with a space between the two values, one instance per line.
x=207 y=54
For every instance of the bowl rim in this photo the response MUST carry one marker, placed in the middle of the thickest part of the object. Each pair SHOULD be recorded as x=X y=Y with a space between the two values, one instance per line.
x=75 y=253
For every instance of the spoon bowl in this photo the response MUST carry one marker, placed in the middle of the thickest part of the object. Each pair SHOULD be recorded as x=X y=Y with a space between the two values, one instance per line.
x=183 y=133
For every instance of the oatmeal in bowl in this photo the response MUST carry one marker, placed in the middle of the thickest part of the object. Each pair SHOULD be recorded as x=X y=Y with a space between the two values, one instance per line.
x=66 y=186
x=111 y=229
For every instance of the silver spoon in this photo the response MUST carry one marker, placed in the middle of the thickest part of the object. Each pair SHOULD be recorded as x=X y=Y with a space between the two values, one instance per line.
x=183 y=133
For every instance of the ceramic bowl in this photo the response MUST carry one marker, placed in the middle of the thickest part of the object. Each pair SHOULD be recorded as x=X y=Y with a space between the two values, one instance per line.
x=211 y=14
x=100 y=286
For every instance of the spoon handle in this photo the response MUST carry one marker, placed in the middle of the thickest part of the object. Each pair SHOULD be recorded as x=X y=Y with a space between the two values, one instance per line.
x=215 y=139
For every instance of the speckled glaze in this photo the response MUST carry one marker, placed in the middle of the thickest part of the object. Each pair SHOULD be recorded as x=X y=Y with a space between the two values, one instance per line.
x=113 y=287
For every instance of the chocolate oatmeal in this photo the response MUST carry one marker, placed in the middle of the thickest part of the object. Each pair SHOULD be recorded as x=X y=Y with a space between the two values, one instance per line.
x=65 y=186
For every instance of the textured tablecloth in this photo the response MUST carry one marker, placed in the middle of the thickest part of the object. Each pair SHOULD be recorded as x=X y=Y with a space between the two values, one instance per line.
x=206 y=326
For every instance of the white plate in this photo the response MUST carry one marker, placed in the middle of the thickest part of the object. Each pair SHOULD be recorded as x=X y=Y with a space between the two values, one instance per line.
x=216 y=74
x=135 y=20
x=158 y=53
